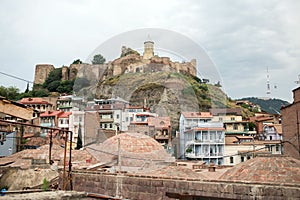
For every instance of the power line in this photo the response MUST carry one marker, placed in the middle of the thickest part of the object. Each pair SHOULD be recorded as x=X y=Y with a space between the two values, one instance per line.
x=15 y=77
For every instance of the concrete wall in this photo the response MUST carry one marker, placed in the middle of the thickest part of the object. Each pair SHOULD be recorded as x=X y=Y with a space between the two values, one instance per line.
x=147 y=187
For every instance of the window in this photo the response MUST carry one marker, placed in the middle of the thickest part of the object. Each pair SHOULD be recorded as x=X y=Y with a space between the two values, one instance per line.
x=105 y=125
x=242 y=159
x=118 y=116
x=220 y=119
x=271 y=138
x=232 y=118
x=277 y=147
x=231 y=160
x=110 y=125
x=248 y=157
x=131 y=119
x=126 y=119
x=235 y=127
x=205 y=135
x=80 y=119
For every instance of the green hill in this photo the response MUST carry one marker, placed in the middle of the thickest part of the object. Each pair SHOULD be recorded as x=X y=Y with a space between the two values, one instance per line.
x=271 y=106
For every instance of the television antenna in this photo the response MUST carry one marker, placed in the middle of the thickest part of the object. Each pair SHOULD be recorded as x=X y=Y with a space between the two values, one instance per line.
x=268 y=83
x=298 y=81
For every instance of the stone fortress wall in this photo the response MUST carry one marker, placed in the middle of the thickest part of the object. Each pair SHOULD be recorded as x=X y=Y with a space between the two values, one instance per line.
x=129 y=62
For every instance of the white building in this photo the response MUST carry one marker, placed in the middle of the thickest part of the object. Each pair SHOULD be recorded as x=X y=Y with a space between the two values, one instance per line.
x=272 y=131
x=205 y=143
x=200 y=138
x=77 y=122
x=241 y=148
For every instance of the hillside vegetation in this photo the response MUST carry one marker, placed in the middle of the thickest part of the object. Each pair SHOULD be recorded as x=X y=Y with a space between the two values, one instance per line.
x=167 y=94
x=271 y=106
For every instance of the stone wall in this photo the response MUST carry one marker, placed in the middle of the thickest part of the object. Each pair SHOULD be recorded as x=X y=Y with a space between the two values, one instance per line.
x=132 y=63
x=41 y=73
x=147 y=187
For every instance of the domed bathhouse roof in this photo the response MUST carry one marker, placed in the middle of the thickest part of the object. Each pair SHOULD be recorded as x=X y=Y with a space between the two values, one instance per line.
x=135 y=149
x=266 y=169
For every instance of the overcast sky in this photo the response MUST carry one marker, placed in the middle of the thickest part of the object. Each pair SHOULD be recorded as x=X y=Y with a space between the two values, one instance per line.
x=242 y=38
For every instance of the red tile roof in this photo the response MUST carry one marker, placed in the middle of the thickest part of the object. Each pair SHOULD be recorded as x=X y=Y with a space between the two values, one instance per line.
x=197 y=114
x=65 y=115
x=266 y=169
x=35 y=100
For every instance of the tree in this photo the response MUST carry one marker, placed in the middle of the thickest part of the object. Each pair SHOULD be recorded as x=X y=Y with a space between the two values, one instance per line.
x=10 y=93
x=98 y=59
x=54 y=75
x=78 y=61
x=79 y=140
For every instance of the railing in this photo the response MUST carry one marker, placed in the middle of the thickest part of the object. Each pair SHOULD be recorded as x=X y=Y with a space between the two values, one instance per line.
x=107 y=120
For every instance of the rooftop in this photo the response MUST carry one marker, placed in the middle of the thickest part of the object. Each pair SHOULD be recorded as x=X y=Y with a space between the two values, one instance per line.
x=34 y=100
x=197 y=114
x=51 y=113
x=266 y=169
x=136 y=149
x=163 y=122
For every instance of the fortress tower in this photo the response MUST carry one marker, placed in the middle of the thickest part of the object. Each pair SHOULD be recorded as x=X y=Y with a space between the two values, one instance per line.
x=148 y=49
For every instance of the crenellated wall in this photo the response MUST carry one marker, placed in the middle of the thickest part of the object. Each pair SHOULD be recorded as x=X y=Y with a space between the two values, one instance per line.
x=127 y=63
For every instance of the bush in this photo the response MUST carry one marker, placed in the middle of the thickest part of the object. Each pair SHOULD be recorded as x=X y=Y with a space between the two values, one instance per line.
x=45 y=185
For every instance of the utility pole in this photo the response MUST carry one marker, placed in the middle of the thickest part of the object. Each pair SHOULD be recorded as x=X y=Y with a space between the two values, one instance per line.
x=50 y=147
x=119 y=155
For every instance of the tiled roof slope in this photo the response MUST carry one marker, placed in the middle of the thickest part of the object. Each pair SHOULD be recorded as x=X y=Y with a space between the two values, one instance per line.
x=135 y=148
x=34 y=100
x=197 y=114
x=266 y=169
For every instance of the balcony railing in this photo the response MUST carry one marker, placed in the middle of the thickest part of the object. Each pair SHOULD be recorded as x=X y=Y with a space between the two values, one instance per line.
x=161 y=137
x=107 y=120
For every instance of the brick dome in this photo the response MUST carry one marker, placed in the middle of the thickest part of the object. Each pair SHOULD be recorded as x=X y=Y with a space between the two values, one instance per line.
x=136 y=149
x=266 y=169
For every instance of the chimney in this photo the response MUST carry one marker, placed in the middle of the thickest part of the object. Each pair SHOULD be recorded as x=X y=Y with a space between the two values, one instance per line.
x=211 y=167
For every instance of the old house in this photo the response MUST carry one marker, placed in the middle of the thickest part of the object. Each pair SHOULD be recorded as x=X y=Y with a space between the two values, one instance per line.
x=205 y=143
x=188 y=121
x=37 y=103
x=232 y=120
x=241 y=148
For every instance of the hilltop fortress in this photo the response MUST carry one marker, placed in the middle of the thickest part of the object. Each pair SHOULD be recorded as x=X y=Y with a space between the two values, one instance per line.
x=130 y=61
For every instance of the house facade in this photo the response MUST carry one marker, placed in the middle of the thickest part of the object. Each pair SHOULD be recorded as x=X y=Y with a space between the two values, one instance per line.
x=49 y=119
x=38 y=104
x=241 y=148
x=205 y=143
x=233 y=121
x=188 y=121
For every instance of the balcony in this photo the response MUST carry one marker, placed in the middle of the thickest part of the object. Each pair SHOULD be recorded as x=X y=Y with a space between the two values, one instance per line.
x=107 y=120
x=49 y=124
x=161 y=137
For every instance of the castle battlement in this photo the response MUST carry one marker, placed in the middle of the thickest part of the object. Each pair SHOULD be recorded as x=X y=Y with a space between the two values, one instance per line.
x=129 y=62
